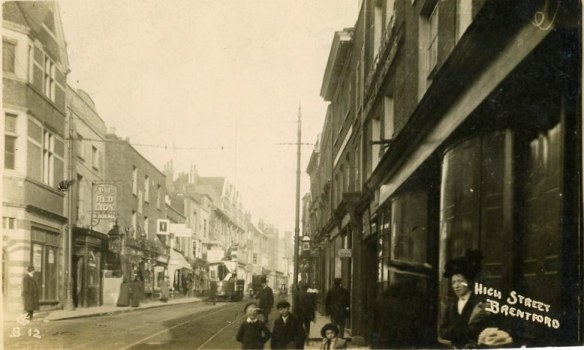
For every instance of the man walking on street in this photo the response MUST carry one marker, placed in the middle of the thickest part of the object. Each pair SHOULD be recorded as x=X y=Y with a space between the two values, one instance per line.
x=304 y=308
x=213 y=291
x=30 y=293
x=337 y=306
x=266 y=299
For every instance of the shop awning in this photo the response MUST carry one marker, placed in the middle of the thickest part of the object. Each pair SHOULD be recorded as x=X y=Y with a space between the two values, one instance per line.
x=178 y=261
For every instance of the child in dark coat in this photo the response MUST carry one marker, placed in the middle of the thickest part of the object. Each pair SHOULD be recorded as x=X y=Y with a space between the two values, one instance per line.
x=288 y=332
x=252 y=333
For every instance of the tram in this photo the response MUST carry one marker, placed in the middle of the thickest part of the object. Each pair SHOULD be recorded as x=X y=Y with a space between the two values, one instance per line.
x=229 y=287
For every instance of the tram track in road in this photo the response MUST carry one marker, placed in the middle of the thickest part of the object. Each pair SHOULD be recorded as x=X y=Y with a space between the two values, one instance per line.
x=140 y=326
x=143 y=324
x=168 y=329
x=188 y=326
x=234 y=322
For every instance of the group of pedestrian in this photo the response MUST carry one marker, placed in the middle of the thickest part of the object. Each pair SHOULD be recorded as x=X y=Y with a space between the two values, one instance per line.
x=465 y=323
x=287 y=333
x=291 y=330
x=131 y=292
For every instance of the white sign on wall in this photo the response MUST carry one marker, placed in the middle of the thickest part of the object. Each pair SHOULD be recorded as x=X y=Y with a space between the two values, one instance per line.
x=162 y=227
x=344 y=253
x=180 y=230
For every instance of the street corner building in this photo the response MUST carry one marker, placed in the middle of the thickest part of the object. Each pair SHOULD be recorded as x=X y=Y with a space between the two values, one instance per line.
x=452 y=126
x=34 y=219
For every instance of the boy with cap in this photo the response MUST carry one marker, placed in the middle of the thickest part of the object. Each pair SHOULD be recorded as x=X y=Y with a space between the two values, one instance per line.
x=288 y=332
x=252 y=333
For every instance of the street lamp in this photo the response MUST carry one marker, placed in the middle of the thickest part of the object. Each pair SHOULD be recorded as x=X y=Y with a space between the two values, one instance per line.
x=306 y=244
x=297 y=219
x=115 y=239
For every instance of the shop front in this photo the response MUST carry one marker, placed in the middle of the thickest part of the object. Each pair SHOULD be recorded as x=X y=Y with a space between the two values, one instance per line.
x=88 y=253
x=160 y=271
x=141 y=258
x=180 y=273
x=200 y=276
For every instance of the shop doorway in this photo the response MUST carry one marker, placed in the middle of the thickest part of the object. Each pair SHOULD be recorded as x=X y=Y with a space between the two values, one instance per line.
x=370 y=285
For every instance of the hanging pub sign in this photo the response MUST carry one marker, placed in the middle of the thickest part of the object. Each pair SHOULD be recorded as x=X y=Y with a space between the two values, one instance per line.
x=104 y=201
x=162 y=227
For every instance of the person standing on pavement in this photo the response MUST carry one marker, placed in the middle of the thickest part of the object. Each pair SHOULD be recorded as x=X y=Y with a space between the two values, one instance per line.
x=305 y=308
x=288 y=332
x=136 y=292
x=331 y=340
x=265 y=299
x=125 y=292
x=164 y=292
x=30 y=293
x=252 y=333
x=467 y=316
x=337 y=306
x=213 y=291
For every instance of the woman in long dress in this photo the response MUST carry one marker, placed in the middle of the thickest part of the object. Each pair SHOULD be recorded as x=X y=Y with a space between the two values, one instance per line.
x=164 y=292
x=136 y=295
x=124 y=297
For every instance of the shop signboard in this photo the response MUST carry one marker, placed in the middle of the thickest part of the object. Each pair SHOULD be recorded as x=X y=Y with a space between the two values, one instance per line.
x=344 y=253
x=104 y=201
x=180 y=230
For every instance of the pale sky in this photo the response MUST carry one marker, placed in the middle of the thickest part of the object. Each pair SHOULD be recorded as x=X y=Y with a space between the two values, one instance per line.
x=220 y=79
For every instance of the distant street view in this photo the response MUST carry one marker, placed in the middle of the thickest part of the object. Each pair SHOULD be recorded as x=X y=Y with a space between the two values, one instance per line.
x=331 y=174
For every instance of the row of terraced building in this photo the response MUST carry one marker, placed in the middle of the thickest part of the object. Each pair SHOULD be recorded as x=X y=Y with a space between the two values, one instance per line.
x=452 y=125
x=86 y=209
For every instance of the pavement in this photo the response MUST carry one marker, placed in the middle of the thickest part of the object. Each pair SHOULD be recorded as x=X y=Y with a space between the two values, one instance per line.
x=55 y=315
x=315 y=338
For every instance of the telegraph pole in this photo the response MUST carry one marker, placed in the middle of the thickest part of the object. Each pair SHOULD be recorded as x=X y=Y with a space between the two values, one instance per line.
x=297 y=221
x=68 y=303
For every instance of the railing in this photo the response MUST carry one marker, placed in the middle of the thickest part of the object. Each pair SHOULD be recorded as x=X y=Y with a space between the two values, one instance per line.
x=382 y=61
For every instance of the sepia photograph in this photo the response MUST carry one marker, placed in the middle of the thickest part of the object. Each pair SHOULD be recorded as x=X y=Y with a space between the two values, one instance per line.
x=305 y=174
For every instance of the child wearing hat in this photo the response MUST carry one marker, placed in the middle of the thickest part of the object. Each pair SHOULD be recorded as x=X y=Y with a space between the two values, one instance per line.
x=252 y=333
x=288 y=332
x=330 y=333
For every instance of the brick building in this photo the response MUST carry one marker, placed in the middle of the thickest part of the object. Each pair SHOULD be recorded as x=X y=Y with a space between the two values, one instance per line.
x=35 y=66
x=90 y=241
x=453 y=126
x=141 y=193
